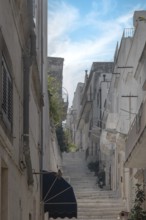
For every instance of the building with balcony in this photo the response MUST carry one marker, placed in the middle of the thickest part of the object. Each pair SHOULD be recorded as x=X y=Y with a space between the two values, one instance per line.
x=90 y=109
x=126 y=103
x=135 y=143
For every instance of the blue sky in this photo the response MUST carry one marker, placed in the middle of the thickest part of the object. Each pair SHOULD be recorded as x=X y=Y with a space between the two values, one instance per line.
x=86 y=31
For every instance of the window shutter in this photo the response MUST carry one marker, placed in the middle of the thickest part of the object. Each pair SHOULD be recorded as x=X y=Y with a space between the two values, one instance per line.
x=6 y=93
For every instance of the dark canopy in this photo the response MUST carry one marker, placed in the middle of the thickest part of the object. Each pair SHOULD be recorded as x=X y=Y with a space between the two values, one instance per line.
x=58 y=196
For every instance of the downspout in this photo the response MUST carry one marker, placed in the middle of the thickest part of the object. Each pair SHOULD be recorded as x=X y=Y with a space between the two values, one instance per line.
x=100 y=123
x=29 y=54
x=42 y=121
x=100 y=91
x=100 y=113
x=26 y=147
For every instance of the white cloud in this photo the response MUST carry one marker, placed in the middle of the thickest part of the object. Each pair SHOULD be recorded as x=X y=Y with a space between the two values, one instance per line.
x=62 y=19
x=65 y=19
x=108 y=5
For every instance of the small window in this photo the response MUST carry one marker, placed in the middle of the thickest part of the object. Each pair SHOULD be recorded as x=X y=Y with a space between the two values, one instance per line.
x=6 y=94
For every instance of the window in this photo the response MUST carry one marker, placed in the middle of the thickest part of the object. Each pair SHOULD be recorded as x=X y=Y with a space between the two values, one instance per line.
x=6 y=94
x=6 y=88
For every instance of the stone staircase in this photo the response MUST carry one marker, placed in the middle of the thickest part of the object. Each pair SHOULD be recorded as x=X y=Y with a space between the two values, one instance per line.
x=93 y=203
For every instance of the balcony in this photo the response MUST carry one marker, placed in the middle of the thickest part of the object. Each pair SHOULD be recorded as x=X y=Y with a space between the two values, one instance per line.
x=135 y=149
x=128 y=32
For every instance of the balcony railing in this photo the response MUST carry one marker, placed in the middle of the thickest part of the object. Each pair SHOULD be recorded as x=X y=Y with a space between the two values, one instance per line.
x=128 y=32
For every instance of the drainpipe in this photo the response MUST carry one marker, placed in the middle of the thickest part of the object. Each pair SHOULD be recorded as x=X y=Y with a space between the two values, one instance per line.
x=100 y=91
x=100 y=113
x=26 y=147
x=29 y=54
x=42 y=117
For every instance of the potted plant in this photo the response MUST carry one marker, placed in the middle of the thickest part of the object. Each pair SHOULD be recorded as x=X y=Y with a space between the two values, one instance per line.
x=137 y=212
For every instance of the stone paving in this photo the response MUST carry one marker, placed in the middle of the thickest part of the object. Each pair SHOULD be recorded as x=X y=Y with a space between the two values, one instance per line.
x=93 y=203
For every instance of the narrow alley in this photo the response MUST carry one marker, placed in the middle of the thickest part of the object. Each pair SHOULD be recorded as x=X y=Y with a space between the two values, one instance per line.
x=72 y=109
x=92 y=202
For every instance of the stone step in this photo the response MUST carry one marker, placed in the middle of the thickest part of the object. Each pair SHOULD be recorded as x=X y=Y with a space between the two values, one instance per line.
x=97 y=204
x=82 y=181
x=97 y=197
x=84 y=187
x=93 y=203
x=94 y=198
x=113 y=218
x=101 y=192
x=95 y=218
x=77 y=175
x=96 y=209
x=87 y=183
x=78 y=181
x=96 y=201
x=99 y=217
x=83 y=178
x=99 y=212
x=96 y=194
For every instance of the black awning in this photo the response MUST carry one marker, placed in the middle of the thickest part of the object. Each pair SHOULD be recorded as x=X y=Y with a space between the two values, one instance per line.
x=58 y=196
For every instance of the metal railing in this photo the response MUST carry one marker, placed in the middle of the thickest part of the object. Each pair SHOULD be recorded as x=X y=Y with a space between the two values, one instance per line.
x=128 y=32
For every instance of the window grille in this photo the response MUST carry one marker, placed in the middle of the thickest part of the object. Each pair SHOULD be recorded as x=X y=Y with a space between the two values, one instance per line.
x=6 y=93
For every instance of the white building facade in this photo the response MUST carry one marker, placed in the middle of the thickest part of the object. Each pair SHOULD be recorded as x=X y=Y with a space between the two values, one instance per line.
x=25 y=134
x=125 y=100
